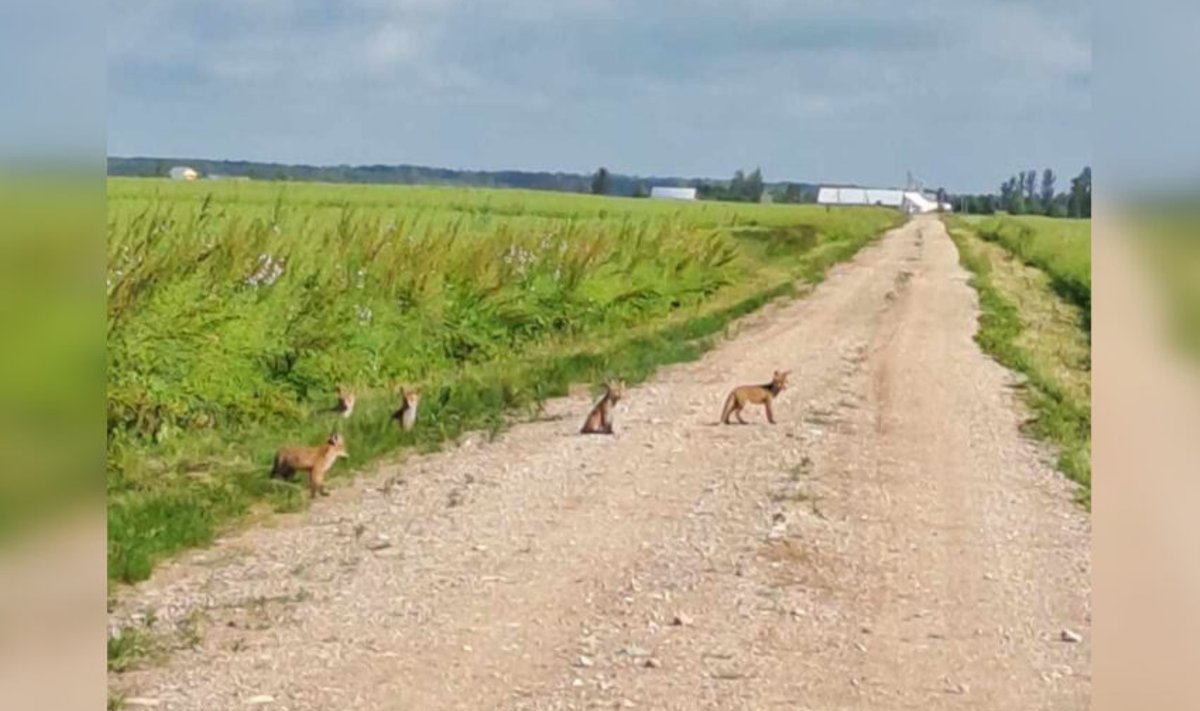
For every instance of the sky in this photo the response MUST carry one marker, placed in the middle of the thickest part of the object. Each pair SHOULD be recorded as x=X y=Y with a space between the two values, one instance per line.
x=963 y=93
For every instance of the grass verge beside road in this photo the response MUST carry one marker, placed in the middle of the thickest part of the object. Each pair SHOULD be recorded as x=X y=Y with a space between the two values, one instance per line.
x=1031 y=324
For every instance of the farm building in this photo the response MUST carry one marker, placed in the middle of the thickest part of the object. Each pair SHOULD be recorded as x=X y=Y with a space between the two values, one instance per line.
x=911 y=201
x=182 y=172
x=915 y=201
x=663 y=192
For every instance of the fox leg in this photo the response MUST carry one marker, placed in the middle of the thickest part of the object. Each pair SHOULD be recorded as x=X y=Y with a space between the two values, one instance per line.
x=737 y=411
x=770 y=415
x=316 y=483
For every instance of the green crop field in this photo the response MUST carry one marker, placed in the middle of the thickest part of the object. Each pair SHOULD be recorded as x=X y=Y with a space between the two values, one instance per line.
x=234 y=309
x=1061 y=248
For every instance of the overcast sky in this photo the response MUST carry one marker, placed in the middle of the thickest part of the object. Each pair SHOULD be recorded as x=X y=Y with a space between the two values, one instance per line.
x=961 y=92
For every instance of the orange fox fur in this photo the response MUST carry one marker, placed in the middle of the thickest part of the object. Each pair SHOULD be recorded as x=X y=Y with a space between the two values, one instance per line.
x=315 y=460
x=407 y=414
x=757 y=394
x=345 y=403
x=600 y=419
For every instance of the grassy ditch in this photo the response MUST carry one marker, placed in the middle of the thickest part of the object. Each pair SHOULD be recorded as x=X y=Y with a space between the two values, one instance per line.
x=1029 y=325
x=1060 y=248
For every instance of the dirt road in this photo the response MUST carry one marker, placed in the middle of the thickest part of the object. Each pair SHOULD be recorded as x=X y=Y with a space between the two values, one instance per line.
x=893 y=542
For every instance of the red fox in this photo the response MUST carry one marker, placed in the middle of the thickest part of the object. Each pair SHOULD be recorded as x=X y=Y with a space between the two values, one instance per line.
x=292 y=458
x=757 y=394
x=600 y=419
x=407 y=414
x=345 y=403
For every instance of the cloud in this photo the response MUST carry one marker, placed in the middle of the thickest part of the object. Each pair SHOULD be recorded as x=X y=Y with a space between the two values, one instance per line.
x=807 y=90
x=52 y=85
x=390 y=46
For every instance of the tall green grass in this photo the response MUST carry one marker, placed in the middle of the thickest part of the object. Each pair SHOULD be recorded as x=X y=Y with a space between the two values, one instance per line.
x=234 y=310
x=1061 y=248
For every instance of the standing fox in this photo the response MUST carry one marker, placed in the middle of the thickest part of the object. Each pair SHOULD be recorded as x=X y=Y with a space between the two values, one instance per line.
x=345 y=403
x=757 y=394
x=600 y=419
x=407 y=414
x=316 y=461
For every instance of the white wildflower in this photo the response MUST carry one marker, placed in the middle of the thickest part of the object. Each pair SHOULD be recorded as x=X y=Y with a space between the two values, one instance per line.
x=269 y=269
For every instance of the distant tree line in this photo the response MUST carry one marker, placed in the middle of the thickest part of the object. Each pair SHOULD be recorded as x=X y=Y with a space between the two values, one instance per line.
x=743 y=187
x=384 y=174
x=1027 y=194
x=610 y=184
x=751 y=187
x=600 y=182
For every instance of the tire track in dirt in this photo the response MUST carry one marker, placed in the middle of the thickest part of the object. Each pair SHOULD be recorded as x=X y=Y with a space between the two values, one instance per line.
x=892 y=543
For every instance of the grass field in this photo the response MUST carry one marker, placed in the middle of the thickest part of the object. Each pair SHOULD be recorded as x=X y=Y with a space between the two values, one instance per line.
x=1033 y=276
x=235 y=308
x=1061 y=248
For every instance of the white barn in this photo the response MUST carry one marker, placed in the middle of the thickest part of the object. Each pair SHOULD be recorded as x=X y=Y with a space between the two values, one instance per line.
x=664 y=192
x=911 y=201
x=182 y=172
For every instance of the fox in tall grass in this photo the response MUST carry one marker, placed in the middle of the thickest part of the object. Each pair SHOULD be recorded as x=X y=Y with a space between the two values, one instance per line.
x=292 y=458
x=600 y=419
x=345 y=403
x=407 y=414
x=756 y=394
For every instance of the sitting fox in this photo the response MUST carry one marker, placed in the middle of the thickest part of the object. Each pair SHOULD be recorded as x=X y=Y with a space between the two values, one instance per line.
x=600 y=419
x=345 y=403
x=407 y=414
x=315 y=460
x=757 y=394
